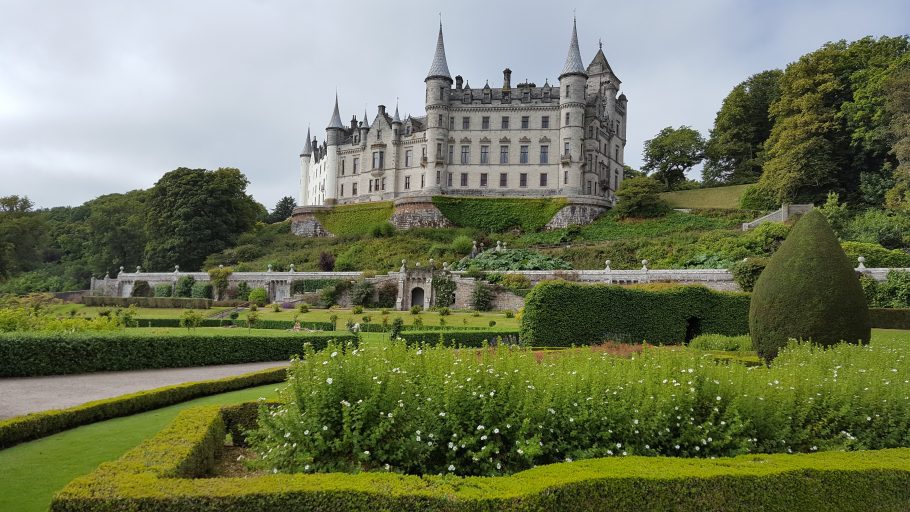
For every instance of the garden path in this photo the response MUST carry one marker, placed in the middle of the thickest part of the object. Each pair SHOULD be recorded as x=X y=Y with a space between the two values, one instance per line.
x=33 y=394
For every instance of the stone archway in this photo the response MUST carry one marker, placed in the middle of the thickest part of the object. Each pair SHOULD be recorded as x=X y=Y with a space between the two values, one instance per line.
x=417 y=296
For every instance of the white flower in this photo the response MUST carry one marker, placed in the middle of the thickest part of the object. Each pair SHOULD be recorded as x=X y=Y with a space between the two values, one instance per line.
x=480 y=427
x=495 y=430
x=442 y=415
x=366 y=452
x=325 y=427
x=451 y=467
x=334 y=354
x=329 y=381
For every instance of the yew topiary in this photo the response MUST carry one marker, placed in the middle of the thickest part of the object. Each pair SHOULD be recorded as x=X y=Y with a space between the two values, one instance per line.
x=808 y=291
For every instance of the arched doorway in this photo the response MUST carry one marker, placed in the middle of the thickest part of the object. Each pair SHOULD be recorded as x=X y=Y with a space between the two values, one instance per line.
x=417 y=296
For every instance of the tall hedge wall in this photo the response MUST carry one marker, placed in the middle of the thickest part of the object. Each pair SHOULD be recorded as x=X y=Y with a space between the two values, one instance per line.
x=897 y=318
x=148 y=302
x=355 y=219
x=158 y=475
x=560 y=313
x=498 y=215
x=53 y=353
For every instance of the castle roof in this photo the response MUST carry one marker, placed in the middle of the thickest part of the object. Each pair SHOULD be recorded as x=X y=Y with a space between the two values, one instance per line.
x=599 y=65
x=573 y=65
x=366 y=120
x=308 y=146
x=439 y=68
x=336 y=117
x=396 y=119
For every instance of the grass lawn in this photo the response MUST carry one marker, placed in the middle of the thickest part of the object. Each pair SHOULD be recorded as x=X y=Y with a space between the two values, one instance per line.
x=81 y=309
x=32 y=472
x=718 y=197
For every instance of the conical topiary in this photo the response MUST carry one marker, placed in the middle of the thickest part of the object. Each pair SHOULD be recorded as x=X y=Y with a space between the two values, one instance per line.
x=808 y=291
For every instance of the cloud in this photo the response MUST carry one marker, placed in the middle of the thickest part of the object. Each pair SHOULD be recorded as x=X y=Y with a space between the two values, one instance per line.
x=105 y=96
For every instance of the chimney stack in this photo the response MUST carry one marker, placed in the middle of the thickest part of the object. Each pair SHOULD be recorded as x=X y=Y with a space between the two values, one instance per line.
x=507 y=79
x=458 y=81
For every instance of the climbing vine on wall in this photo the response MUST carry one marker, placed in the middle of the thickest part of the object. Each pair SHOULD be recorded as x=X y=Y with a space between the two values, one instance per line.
x=443 y=291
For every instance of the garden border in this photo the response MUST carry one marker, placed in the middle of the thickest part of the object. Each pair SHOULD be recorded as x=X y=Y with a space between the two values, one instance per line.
x=157 y=475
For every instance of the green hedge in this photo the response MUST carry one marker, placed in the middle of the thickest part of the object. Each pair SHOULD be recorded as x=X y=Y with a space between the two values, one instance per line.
x=147 y=302
x=301 y=286
x=33 y=426
x=355 y=219
x=461 y=338
x=158 y=475
x=560 y=313
x=240 y=322
x=498 y=215
x=882 y=318
x=53 y=353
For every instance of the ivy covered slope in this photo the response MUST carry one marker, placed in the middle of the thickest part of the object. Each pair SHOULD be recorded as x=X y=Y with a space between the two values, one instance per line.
x=497 y=215
x=356 y=219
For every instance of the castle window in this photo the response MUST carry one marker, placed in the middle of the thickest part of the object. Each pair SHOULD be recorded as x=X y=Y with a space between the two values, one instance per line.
x=483 y=179
x=464 y=179
x=438 y=178
x=524 y=155
x=544 y=154
x=526 y=96
x=506 y=97
x=545 y=122
x=465 y=154
x=356 y=165
x=546 y=94
x=503 y=179
x=451 y=154
x=505 y=122
x=567 y=91
x=442 y=93
x=465 y=123
x=451 y=123
x=566 y=149
x=567 y=118
x=565 y=177
x=370 y=186
x=422 y=180
x=588 y=162
x=376 y=186
x=342 y=190
x=523 y=179
x=378 y=159
x=438 y=151
x=342 y=165
x=543 y=179
x=383 y=183
x=424 y=149
x=486 y=95
x=484 y=154
x=485 y=123
x=589 y=187
x=616 y=154
x=466 y=97
x=407 y=130
x=354 y=189
x=590 y=132
x=525 y=122
x=407 y=182
x=439 y=120
x=407 y=158
x=503 y=154
x=449 y=179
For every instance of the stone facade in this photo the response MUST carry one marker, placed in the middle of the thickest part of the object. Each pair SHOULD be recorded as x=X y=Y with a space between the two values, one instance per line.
x=578 y=211
x=523 y=140
x=418 y=212
x=305 y=223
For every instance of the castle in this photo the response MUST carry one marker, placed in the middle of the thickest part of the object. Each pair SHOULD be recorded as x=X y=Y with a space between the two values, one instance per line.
x=512 y=141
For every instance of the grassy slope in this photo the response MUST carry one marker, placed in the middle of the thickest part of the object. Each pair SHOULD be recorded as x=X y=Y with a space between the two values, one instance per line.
x=31 y=473
x=718 y=197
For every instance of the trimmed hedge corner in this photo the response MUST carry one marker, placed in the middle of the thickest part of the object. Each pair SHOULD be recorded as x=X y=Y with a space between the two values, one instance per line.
x=33 y=426
x=159 y=475
x=559 y=314
x=882 y=318
x=466 y=339
x=54 y=353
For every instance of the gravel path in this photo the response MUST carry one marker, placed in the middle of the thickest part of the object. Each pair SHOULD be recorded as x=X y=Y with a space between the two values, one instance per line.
x=32 y=394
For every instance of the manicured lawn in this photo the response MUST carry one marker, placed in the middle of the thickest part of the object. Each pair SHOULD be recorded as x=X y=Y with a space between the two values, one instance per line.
x=31 y=473
x=81 y=309
x=718 y=197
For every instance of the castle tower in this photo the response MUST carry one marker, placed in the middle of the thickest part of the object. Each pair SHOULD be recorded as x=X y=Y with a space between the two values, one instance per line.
x=572 y=82
x=305 y=169
x=439 y=84
x=364 y=131
x=334 y=133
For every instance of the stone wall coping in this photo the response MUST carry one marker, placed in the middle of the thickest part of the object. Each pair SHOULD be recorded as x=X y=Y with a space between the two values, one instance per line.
x=298 y=210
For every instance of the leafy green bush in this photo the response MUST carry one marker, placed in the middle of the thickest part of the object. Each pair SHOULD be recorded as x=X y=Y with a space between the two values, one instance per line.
x=808 y=291
x=184 y=286
x=190 y=319
x=481 y=297
x=512 y=259
x=483 y=337
x=163 y=290
x=559 y=314
x=357 y=310
x=387 y=294
x=746 y=272
x=141 y=289
x=355 y=219
x=36 y=425
x=216 y=322
x=362 y=294
x=301 y=286
x=416 y=309
x=462 y=245
x=888 y=229
x=894 y=292
x=201 y=290
x=383 y=230
x=259 y=296
x=640 y=197
x=243 y=291
x=303 y=307
x=444 y=311
x=720 y=342
x=30 y=354
x=876 y=255
x=498 y=215
x=757 y=198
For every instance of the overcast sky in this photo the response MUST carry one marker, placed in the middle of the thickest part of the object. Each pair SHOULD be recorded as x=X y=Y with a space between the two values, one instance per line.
x=105 y=96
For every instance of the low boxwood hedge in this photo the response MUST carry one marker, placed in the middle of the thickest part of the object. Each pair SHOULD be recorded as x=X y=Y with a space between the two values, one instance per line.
x=559 y=313
x=33 y=426
x=147 y=302
x=159 y=475
x=240 y=322
x=886 y=318
x=25 y=354
x=461 y=338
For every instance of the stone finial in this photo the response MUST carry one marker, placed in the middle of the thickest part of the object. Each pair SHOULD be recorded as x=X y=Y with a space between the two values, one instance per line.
x=220 y=266
x=504 y=248
x=138 y=269
x=498 y=246
x=107 y=275
x=403 y=266
x=644 y=264
x=417 y=264
x=269 y=269
x=431 y=264
x=862 y=263
x=291 y=268
x=607 y=263
x=474 y=248
x=445 y=266
x=121 y=270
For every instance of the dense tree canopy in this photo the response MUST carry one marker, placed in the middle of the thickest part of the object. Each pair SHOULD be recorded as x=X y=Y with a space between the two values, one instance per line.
x=283 y=209
x=898 y=109
x=671 y=153
x=735 y=150
x=22 y=235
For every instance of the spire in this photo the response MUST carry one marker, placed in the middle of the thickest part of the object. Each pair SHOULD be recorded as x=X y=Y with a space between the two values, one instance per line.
x=336 y=117
x=439 y=68
x=308 y=147
x=573 y=64
x=366 y=120
x=396 y=119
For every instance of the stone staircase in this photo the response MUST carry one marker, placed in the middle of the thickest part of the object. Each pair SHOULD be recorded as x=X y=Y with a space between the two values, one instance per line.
x=783 y=214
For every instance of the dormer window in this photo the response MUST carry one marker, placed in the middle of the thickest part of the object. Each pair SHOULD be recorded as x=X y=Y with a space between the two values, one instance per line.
x=526 y=96
x=486 y=96
x=466 y=96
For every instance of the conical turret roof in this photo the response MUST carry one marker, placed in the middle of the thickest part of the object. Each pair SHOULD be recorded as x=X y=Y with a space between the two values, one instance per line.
x=439 y=68
x=366 y=120
x=336 y=117
x=573 y=65
x=395 y=118
x=308 y=146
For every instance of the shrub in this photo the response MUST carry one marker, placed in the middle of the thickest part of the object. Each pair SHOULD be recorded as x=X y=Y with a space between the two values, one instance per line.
x=163 y=290
x=492 y=323
x=301 y=286
x=254 y=307
x=333 y=319
x=558 y=313
x=481 y=297
x=147 y=302
x=387 y=295
x=808 y=291
x=397 y=327
x=515 y=282
x=462 y=245
x=357 y=310
x=141 y=289
x=219 y=278
x=893 y=292
x=444 y=291
x=326 y=261
x=746 y=272
x=383 y=230
x=303 y=307
x=32 y=354
x=276 y=308
x=640 y=197
x=510 y=314
x=497 y=215
x=190 y=319
x=444 y=311
x=416 y=309
x=888 y=229
x=892 y=318
x=243 y=291
x=720 y=342
x=417 y=323
x=480 y=338
x=201 y=291
x=184 y=286
x=512 y=259
x=757 y=198
x=258 y=296
x=362 y=293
